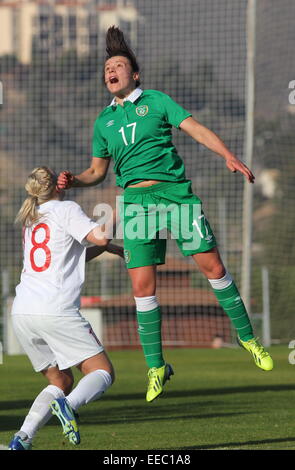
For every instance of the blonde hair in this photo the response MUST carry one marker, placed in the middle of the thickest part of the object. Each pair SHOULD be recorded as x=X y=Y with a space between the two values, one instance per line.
x=40 y=187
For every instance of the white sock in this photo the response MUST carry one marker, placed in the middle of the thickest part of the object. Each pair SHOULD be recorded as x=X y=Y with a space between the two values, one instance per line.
x=221 y=283
x=145 y=304
x=90 y=388
x=40 y=412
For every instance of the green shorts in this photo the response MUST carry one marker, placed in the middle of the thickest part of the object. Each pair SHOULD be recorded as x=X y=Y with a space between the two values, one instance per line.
x=149 y=213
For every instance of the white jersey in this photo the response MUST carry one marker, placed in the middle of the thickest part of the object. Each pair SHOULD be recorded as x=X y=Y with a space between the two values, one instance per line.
x=54 y=261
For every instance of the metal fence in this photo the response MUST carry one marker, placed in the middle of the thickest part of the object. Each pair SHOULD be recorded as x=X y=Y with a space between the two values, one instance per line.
x=51 y=59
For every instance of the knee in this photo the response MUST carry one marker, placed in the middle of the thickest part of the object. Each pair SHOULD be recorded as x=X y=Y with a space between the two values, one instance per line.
x=67 y=387
x=110 y=371
x=107 y=371
x=65 y=383
x=143 y=288
x=216 y=271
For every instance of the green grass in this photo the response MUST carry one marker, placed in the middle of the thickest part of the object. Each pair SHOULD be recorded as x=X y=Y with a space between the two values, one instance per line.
x=218 y=399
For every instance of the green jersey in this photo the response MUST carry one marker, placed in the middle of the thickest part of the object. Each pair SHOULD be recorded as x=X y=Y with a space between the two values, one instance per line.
x=138 y=137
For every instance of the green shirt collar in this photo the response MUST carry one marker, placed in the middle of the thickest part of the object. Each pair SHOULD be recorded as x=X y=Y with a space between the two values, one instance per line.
x=132 y=97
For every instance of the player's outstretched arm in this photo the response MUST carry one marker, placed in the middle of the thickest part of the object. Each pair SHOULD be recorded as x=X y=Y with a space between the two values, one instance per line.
x=101 y=237
x=94 y=175
x=115 y=250
x=212 y=141
x=94 y=251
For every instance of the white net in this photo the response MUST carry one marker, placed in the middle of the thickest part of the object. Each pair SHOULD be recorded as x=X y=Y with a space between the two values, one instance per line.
x=273 y=213
x=51 y=59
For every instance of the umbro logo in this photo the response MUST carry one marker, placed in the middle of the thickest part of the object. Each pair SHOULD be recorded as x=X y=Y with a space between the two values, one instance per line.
x=110 y=123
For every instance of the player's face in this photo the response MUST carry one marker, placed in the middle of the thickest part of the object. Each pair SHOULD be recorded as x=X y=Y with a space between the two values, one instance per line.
x=119 y=76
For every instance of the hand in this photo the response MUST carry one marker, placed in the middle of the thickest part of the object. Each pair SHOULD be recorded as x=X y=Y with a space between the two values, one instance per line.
x=65 y=180
x=115 y=249
x=234 y=165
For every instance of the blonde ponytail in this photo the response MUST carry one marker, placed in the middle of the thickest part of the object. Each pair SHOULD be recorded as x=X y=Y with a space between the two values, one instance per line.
x=40 y=187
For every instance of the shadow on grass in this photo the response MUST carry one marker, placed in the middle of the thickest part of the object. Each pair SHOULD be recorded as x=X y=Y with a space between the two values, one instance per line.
x=16 y=405
x=125 y=412
x=240 y=445
x=204 y=392
x=24 y=404
x=143 y=413
x=134 y=416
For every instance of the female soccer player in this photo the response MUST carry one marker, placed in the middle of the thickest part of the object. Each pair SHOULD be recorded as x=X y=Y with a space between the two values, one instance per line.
x=45 y=311
x=135 y=130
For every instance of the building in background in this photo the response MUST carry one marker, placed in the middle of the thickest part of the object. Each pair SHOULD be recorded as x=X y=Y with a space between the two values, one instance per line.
x=57 y=26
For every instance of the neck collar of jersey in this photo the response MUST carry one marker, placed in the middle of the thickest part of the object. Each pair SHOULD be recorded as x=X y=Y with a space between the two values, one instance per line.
x=132 y=97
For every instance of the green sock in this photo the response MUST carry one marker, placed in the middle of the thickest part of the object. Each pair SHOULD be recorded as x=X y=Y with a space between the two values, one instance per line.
x=149 y=329
x=231 y=302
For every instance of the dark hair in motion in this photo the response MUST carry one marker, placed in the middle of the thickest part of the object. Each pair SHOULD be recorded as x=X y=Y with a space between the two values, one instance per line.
x=116 y=45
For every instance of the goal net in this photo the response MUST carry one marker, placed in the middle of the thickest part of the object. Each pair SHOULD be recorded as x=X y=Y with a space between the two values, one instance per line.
x=51 y=62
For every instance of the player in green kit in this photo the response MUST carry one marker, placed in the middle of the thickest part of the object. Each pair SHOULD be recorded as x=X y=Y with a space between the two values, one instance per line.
x=135 y=131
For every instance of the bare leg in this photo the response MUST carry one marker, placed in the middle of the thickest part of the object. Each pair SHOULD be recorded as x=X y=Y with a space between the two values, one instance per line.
x=210 y=263
x=99 y=361
x=143 y=280
x=62 y=379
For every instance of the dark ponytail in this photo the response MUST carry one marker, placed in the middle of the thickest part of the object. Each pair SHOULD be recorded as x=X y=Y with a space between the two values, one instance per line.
x=117 y=46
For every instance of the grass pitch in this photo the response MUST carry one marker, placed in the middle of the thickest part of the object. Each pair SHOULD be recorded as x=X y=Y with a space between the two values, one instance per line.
x=217 y=399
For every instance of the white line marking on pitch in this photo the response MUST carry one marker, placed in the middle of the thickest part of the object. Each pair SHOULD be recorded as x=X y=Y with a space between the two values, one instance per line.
x=3 y=447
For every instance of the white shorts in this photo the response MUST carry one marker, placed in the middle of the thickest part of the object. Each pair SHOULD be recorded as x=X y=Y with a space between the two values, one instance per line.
x=56 y=340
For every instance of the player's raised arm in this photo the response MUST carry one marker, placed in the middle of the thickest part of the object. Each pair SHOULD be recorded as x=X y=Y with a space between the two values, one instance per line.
x=212 y=141
x=94 y=175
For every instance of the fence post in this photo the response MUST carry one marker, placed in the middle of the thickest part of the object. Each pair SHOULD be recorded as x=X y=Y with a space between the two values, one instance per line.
x=249 y=134
x=266 y=331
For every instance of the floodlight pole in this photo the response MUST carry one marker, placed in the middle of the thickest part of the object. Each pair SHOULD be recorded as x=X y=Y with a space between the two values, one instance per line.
x=249 y=135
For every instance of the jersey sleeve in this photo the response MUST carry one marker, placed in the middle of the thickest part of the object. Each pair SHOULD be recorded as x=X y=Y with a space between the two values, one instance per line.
x=99 y=143
x=174 y=113
x=77 y=223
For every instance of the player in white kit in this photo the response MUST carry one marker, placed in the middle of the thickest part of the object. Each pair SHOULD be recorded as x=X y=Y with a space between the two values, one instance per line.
x=45 y=311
